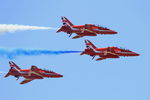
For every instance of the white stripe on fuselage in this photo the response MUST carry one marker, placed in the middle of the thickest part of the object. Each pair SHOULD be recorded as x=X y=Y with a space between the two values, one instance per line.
x=22 y=72
x=47 y=73
x=125 y=52
x=100 y=30
x=15 y=69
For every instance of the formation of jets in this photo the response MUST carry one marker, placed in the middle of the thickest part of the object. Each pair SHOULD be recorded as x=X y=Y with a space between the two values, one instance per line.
x=81 y=30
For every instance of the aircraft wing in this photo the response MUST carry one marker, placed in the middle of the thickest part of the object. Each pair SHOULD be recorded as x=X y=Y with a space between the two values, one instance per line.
x=26 y=81
x=79 y=26
x=78 y=36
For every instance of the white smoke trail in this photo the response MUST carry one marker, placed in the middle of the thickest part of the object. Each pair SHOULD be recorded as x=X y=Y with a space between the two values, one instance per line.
x=15 y=27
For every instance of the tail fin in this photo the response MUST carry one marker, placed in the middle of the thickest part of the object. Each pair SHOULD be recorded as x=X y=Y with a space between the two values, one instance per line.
x=14 y=70
x=12 y=64
x=66 y=22
x=89 y=44
x=90 y=49
x=10 y=71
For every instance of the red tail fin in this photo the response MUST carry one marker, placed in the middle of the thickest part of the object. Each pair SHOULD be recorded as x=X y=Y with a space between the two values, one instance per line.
x=66 y=21
x=12 y=64
x=12 y=71
x=90 y=49
x=89 y=44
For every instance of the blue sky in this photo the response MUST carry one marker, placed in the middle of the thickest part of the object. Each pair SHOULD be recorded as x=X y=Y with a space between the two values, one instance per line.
x=84 y=79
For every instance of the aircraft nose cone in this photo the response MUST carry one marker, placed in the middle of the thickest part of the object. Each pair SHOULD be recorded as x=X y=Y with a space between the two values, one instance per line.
x=114 y=32
x=59 y=75
x=135 y=54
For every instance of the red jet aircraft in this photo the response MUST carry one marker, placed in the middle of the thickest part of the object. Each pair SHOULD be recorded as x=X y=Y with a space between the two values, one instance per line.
x=108 y=52
x=83 y=30
x=30 y=74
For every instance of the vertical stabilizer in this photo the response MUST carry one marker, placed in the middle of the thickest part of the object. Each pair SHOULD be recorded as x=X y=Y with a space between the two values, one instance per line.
x=66 y=21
